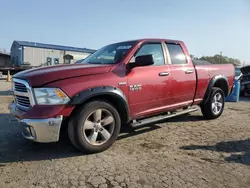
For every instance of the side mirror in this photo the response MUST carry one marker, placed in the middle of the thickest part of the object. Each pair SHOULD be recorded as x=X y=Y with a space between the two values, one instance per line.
x=143 y=60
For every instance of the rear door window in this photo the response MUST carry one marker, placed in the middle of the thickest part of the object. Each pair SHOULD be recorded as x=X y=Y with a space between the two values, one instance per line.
x=176 y=53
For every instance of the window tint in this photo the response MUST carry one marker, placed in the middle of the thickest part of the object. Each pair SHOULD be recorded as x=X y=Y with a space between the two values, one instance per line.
x=155 y=50
x=176 y=54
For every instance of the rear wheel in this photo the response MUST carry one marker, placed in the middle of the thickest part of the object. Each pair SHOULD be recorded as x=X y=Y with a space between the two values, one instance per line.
x=95 y=127
x=214 y=107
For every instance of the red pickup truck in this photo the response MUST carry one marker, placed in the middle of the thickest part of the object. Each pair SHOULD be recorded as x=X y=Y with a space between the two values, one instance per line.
x=129 y=83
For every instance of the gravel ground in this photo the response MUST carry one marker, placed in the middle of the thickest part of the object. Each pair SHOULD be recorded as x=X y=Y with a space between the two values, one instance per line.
x=184 y=152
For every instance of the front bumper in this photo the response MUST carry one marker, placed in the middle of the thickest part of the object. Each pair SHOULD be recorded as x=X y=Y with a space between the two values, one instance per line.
x=39 y=130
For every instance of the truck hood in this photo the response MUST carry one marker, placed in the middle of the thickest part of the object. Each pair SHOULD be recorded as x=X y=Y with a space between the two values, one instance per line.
x=245 y=70
x=41 y=76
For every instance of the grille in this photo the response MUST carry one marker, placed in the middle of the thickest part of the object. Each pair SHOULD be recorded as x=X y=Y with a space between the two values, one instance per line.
x=22 y=94
x=20 y=87
x=22 y=101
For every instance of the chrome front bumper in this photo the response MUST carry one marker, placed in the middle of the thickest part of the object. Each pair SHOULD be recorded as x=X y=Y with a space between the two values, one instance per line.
x=42 y=130
x=38 y=130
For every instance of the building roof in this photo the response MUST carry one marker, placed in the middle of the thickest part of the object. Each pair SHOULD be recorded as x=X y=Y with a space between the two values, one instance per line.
x=55 y=47
x=4 y=54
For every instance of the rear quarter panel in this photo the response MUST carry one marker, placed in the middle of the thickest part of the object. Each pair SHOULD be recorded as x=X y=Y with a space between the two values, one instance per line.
x=205 y=73
x=226 y=70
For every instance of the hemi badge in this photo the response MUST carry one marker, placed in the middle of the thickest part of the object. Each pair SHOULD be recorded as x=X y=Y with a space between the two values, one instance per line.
x=122 y=83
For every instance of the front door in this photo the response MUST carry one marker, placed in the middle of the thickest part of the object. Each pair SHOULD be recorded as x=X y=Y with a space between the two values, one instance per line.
x=183 y=76
x=147 y=85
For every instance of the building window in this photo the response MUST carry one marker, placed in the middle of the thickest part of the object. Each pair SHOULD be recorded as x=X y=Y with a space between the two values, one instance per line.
x=16 y=63
x=49 y=59
x=56 y=61
x=67 y=58
x=13 y=60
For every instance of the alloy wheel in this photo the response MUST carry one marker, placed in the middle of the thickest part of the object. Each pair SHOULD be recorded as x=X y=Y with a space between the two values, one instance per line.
x=217 y=103
x=99 y=126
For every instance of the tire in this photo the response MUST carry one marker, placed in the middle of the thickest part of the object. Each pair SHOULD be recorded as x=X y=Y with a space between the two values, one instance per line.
x=95 y=127
x=208 y=109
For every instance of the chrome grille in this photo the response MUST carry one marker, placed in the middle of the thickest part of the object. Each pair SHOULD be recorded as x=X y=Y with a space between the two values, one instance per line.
x=22 y=94
x=20 y=87
x=22 y=101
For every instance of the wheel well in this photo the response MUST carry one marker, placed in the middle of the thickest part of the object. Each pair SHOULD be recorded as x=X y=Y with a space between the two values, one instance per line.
x=222 y=84
x=113 y=100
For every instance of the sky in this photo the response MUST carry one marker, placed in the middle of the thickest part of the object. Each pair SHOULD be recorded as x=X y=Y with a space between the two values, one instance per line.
x=206 y=26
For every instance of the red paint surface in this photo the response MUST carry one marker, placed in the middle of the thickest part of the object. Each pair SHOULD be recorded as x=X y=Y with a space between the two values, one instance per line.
x=41 y=112
x=158 y=94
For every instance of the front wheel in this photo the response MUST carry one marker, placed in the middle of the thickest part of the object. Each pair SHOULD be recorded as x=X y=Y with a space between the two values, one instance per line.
x=95 y=127
x=214 y=107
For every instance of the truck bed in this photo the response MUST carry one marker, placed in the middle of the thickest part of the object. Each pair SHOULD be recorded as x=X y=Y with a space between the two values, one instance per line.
x=206 y=72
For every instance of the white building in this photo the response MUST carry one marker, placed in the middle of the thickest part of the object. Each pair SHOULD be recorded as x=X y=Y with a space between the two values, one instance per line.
x=39 y=54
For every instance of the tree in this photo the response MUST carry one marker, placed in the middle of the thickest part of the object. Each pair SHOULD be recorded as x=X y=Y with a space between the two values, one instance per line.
x=193 y=56
x=219 y=59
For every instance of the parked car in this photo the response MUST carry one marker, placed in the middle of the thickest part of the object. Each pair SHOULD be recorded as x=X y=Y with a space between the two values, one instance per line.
x=129 y=83
x=245 y=81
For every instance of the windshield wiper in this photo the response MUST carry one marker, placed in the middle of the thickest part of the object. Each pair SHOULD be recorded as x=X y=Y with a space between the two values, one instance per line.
x=95 y=63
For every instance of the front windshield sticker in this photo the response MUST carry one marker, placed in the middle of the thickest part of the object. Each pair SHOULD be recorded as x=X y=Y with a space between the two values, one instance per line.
x=124 y=47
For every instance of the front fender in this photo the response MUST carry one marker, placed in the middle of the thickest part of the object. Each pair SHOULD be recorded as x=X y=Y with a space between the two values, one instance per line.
x=120 y=100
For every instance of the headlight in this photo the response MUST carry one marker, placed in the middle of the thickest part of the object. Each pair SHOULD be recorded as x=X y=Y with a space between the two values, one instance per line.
x=50 y=96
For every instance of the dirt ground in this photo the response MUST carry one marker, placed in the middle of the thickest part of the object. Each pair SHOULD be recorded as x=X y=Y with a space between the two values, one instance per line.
x=187 y=151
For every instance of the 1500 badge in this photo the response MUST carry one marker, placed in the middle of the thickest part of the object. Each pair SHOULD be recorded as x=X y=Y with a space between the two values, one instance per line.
x=137 y=87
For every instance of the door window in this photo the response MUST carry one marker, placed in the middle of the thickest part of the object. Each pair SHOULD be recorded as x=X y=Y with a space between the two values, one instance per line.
x=176 y=53
x=152 y=49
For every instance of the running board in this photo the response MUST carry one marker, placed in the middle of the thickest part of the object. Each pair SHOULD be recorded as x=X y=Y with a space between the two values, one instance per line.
x=143 y=122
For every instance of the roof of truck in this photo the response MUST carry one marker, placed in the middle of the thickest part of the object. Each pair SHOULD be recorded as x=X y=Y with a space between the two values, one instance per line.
x=155 y=39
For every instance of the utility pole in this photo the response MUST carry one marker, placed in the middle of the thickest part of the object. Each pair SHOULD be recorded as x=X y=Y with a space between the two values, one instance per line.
x=244 y=63
x=220 y=56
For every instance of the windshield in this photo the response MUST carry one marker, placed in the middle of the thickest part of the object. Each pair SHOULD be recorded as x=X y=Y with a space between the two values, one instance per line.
x=110 y=54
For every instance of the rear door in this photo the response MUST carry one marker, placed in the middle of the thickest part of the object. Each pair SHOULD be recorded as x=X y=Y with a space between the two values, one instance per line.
x=183 y=76
x=147 y=85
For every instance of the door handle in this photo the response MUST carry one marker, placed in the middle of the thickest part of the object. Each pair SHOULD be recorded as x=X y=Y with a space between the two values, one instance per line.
x=163 y=74
x=189 y=72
